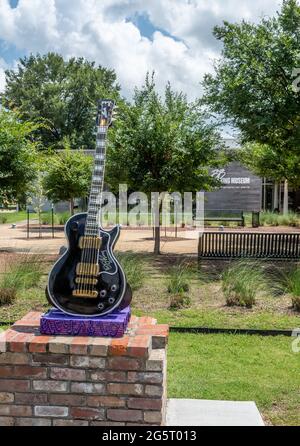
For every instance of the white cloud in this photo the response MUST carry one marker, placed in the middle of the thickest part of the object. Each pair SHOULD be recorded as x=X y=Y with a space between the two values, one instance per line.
x=98 y=30
x=3 y=67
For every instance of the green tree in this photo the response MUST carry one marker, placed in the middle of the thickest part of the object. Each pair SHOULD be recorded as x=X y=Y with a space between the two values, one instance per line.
x=263 y=159
x=162 y=145
x=63 y=93
x=17 y=156
x=67 y=175
x=254 y=88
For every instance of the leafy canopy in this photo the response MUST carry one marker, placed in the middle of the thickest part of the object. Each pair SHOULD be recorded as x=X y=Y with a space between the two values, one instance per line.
x=64 y=93
x=254 y=85
x=162 y=144
x=17 y=156
x=68 y=175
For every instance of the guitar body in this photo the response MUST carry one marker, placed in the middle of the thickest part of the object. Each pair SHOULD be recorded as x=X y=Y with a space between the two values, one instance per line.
x=88 y=282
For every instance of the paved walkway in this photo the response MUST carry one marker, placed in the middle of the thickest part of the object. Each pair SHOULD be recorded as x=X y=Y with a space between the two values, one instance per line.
x=131 y=239
x=137 y=240
x=188 y=412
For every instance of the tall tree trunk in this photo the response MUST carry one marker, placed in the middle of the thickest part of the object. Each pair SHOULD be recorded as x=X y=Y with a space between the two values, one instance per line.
x=72 y=206
x=275 y=198
x=286 y=198
x=157 y=206
x=157 y=240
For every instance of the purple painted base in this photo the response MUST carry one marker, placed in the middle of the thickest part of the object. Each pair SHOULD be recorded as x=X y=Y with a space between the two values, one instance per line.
x=113 y=325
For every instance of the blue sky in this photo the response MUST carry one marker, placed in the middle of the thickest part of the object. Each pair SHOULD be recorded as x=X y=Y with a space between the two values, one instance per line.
x=146 y=27
x=172 y=37
x=13 y=3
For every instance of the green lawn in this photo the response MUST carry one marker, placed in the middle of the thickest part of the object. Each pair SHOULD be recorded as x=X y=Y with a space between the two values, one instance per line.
x=239 y=368
x=221 y=318
x=14 y=217
x=217 y=366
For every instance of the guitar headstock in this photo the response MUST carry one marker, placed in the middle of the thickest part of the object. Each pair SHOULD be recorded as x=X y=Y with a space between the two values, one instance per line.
x=106 y=112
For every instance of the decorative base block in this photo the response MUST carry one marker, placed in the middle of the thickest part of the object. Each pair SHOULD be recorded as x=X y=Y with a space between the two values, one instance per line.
x=113 y=325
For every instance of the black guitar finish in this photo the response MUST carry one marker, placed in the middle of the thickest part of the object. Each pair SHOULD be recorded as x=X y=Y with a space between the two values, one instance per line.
x=112 y=288
x=88 y=280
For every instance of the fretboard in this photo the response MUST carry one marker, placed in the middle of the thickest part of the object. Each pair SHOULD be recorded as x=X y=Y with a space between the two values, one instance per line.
x=94 y=205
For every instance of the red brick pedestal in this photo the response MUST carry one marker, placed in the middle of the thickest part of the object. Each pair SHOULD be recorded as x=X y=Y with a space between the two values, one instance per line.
x=64 y=381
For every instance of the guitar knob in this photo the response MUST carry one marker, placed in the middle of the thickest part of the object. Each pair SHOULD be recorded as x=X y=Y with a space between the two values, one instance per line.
x=100 y=306
x=114 y=288
x=111 y=300
x=74 y=226
x=103 y=293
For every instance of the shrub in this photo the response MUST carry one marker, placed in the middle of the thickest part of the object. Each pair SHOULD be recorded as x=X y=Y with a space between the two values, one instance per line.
x=179 y=301
x=269 y=218
x=3 y=219
x=133 y=268
x=291 y=284
x=24 y=273
x=178 y=280
x=46 y=218
x=296 y=303
x=28 y=271
x=7 y=295
x=274 y=219
x=63 y=218
x=242 y=282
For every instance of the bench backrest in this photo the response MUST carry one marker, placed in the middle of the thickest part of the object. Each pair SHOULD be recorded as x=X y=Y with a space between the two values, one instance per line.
x=249 y=244
x=223 y=213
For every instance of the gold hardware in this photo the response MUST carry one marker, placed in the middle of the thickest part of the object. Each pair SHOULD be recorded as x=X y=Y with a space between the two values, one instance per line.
x=86 y=280
x=89 y=242
x=85 y=294
x=87 y=269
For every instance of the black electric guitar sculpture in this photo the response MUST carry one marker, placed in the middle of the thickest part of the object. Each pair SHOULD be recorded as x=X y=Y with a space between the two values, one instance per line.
x=88 y=280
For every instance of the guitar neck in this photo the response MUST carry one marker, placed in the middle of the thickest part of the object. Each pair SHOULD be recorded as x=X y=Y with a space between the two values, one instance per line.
x=95 y=198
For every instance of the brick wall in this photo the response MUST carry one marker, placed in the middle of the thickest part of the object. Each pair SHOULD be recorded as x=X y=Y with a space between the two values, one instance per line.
x=84 y=381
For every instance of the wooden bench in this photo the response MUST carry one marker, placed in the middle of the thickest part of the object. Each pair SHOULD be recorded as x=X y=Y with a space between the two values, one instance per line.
x=223 y=215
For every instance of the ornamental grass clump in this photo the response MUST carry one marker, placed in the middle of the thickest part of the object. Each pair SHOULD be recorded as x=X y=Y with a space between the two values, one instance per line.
x=63 y=218
x=286 y=280
x=178 y=279
x=179 y=301
x=293 y=287
x=133 y=268
x=242 y=282
x=21 y=273
x=178 y=286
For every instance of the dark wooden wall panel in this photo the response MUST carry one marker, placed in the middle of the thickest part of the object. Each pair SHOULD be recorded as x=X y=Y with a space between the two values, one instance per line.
x=232 y=195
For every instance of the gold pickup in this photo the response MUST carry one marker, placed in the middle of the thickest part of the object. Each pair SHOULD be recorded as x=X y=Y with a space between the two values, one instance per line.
x=86 y=280
x=89 y=242
x=85 y=294
x=87 y=269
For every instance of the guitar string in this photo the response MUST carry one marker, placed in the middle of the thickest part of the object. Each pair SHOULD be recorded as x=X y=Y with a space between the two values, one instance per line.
x=91 y=223
x=91 y=233
x=98 y=215
x=93 y=228
x=84 y=285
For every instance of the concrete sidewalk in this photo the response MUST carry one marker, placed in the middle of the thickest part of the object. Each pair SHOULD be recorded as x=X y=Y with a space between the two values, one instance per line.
x=189 y=412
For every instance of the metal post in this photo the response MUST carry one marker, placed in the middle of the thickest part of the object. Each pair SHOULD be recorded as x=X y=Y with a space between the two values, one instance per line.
x=27 y=223
x=52 y=220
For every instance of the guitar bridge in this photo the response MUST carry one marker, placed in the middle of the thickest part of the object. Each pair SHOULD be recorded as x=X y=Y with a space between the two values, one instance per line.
x=85 y=294
x=86 y=281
